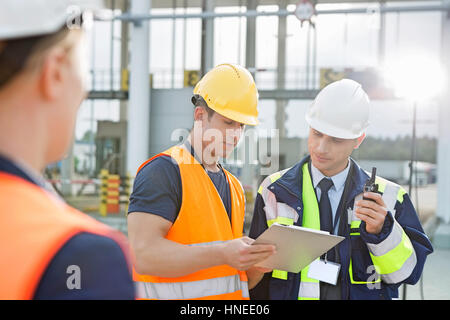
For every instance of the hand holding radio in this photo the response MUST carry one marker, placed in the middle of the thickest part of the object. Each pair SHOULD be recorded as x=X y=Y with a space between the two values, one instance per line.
x=372 y=209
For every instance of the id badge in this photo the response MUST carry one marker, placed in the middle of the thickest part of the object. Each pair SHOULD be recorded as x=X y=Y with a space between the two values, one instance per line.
x=325 y=271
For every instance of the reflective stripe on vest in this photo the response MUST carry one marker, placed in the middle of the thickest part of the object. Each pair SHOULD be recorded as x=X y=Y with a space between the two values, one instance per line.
x=309 y=288
x=282 y=213
x=276 y=211
x=34 y=226
x=391 y=194
x=231 y=287
x=202 y=220
x=394 y=258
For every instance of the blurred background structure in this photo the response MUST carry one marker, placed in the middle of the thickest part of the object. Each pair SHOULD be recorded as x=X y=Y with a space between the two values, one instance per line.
x=146 y=57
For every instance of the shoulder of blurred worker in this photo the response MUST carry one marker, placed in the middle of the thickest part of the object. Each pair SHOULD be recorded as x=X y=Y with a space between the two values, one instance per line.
x=103 y=270
x=103 y=259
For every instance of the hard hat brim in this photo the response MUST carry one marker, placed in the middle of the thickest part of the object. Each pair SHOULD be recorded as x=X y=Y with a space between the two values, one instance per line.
x=331 y=130
x=238 y=117
x=21 y=19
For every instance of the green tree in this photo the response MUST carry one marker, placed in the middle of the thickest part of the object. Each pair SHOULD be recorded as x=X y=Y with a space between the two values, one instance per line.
x=88 y=135
x=397 y=149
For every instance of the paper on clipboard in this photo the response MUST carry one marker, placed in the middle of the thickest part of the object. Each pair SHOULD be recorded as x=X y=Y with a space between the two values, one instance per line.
x=296 y=246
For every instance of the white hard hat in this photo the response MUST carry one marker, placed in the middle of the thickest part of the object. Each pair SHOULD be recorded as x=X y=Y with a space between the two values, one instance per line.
x=26 y=18
x=340 y=110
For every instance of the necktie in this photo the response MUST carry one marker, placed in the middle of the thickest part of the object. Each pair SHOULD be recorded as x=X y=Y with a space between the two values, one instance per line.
x=326 y=216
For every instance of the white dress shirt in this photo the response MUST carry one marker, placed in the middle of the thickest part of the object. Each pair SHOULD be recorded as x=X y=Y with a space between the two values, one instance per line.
x=335 y=192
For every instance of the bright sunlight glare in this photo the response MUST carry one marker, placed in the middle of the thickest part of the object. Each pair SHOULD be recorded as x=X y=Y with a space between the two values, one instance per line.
x=415 y=78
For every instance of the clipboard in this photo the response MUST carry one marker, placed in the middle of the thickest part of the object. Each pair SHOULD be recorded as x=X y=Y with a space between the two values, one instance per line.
x=296 y=246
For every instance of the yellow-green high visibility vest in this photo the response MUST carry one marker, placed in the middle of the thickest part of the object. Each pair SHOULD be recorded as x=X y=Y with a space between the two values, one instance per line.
x=283 y=214
x=393 y=259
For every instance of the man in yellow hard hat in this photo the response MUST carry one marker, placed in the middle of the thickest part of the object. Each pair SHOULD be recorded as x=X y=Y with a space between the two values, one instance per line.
x=186 y=211
x=48 y=250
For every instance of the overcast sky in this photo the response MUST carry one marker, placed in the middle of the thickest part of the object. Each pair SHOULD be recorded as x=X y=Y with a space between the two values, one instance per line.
x=342 y=41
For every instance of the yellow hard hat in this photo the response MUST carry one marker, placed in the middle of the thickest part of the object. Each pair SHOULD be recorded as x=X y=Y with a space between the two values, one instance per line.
x=230 y=90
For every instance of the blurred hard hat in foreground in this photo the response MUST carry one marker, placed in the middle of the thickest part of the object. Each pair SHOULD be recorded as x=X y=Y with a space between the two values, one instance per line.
x=26 y=18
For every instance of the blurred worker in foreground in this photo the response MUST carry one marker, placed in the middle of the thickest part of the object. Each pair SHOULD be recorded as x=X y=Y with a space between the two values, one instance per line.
x=384 y=244
x=48 y=250
x=186 y=212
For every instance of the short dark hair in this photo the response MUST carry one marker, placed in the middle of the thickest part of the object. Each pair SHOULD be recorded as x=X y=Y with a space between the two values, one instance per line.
x=198 y=101
x=15 y=54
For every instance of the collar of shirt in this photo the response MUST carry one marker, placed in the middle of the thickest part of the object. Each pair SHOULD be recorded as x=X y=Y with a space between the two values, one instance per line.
x=338 y=179
x=194 y=154
x=21 y=169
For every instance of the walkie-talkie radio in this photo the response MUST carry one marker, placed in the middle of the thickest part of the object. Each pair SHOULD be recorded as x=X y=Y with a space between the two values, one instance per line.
x=370 y=185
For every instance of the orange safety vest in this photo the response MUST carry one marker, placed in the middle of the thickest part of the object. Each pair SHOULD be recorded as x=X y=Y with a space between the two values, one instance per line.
x=202 y=220
x=34 y=225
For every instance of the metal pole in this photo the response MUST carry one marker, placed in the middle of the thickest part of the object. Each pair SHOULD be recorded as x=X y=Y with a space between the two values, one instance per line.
x=174 y=30
x=307 y=64
x=253 y=13
x=239 y=58
x=124 y=56
x=184 y=37
x=91 y=140
x=248 y=169
x=314 y=58
x=111 y=51
x=345 y=39
x=250 y=39
x=397 y=32
x=138 y=130
x=443 y=169
x=207 y=55
x=413 y=149
x=382 y=35
x=411 y=166
x=281 y=71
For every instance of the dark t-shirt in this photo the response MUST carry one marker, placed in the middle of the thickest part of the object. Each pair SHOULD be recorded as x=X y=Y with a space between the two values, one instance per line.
x=157 y=189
